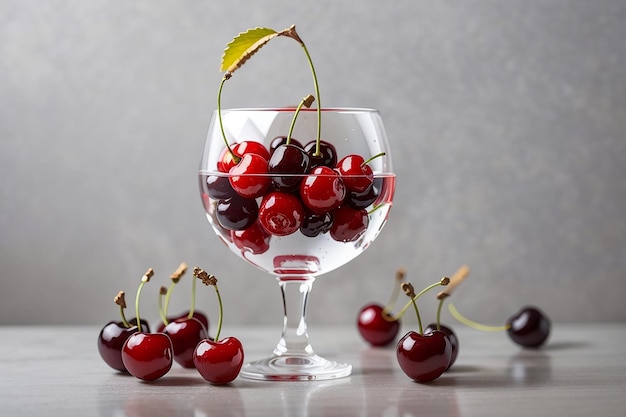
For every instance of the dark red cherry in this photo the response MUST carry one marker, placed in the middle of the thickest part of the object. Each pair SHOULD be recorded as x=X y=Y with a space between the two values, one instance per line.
x=185 y=334
x=315 y=224
x=424 y=358
x=148 y=356
x=322 y=190
x=327 y=155
x=237 y=213
x=529 y=327
x=349 y=224
x=111 y=341
x=366 y=198
x=454 y=340
x=219 y=362
x=374 y=328
x=287 y=164
x=249 y=177
x=282 y=140
x=255 y=239
x=281 y=213
x=356 y=174
x=226 y=160
x=217 y=187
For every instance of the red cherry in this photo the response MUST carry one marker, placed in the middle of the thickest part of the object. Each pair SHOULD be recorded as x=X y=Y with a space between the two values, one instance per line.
x=356 y=174
x=424 y=358
x=111 y=341
x=454 y=340
x=322 y=190
x=226 y=160
x=148 y=356
x=255 y=239
x=185 y=334
x=219 y=362
x=374 y=328
x=249 y=177
x=281 y=213
x=529 y=327
x=348 y=224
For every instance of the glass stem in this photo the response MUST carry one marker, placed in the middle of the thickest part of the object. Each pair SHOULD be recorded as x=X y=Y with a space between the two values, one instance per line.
x=295 y=338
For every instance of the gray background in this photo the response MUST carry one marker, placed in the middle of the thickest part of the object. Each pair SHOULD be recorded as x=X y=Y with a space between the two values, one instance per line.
x=507 y=121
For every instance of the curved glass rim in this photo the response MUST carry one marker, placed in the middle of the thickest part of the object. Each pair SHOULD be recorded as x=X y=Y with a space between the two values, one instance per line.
x=303 y=109
x=278 y=174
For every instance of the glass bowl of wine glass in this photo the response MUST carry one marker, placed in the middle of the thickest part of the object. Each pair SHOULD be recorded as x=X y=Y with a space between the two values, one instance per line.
x=296 y=193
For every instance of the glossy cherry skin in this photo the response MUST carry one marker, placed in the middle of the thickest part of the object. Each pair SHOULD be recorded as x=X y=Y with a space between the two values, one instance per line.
x=366 y=198
x=529 y=327
x=255 y=239
x=424 y=358
x=322 y=190
x=249 y=177
x=111 y=341
x=185 y=334
x=218 y=187
x=236 y=213
x=374 y=328
x=219 y=362
x=148 y=356
x=356 y=174
x=349 y=224
x=291 y=161
x=226 y=160
x=326 y=157
x=282 y=140
x=281 y=214
x=454 y=340
x=315 y=224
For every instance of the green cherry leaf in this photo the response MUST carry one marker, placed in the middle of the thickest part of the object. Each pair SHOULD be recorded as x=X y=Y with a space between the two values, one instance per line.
x=243 y=46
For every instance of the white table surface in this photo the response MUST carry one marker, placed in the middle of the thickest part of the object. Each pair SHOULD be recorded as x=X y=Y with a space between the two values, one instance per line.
x=56 y=371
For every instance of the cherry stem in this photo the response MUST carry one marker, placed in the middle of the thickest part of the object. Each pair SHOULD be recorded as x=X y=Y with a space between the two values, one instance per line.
x=378 y=155
x=145 y=278
x=168 y=295
x=162 y=314
x=444 y=281
x=475 y=325
x=306 y=101
x=400 y=273
x=419 y=318
x=124 y=321
x=439 y=313
x=219 y=317
x=317 y=94
x=225 y=78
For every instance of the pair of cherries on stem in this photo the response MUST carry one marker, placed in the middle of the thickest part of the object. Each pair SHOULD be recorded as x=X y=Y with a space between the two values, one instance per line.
x=187 y=329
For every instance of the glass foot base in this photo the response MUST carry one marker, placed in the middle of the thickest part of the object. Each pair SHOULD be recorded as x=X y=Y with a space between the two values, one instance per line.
x=295 y=368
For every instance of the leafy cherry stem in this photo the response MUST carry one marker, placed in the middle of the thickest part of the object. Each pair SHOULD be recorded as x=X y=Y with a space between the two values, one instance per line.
x=225 y=78
x=209 y=279
x=145 y=278
x=121 y=301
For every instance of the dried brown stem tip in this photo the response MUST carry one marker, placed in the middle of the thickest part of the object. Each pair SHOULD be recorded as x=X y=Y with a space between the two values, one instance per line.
x=146 y=277
x=180 y=271
x=456 y=279
x=205 y=277
x=408 y=289
x=163 y=290
x=120 y=300
x=308 y=100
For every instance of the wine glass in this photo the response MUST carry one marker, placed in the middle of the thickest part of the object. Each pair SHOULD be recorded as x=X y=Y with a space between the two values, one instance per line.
x=260 y=228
